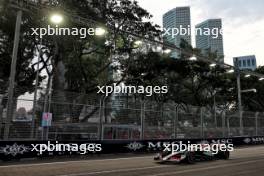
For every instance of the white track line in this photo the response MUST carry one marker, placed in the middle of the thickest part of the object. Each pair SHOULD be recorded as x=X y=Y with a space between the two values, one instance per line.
x=205 y=168
x=161 y=174
x=76 y=161
x=116 y=170
x=166 y=173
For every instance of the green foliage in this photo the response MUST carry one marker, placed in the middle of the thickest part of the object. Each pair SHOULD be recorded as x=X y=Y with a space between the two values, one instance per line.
x=253 y=101
x=25 y=71
x=189 y=82
x=87 y=61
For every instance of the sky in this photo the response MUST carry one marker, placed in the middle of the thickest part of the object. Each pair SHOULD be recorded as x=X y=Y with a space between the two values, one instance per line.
x=242 y=22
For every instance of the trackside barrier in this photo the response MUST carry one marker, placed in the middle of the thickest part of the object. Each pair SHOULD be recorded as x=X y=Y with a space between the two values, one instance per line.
x=28 y=149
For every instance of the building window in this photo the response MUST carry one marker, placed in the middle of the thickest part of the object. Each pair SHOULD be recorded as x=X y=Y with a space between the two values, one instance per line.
x=239 y=63
x=253 y=62
x=244 y=63
x=248 y=63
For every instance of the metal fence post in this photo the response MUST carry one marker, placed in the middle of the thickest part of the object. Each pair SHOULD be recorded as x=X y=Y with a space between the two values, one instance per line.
x=256 y=122
x=142 y=120
x=12 y=76
x=201 y=123
x=101 y=116
x=100 y=120
x=223 y=123
x=49 y=106
x=228 y=126
x=1 y=118
x=1 y=115
x=175 y=122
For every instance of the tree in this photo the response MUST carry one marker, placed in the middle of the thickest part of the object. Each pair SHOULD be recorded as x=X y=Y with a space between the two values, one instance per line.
x=253 y=101
x=81 y=65
x=25 y=70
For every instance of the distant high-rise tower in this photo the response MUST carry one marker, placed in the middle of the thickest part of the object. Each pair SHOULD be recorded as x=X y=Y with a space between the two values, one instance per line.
x=177 y=18
x=208 y=40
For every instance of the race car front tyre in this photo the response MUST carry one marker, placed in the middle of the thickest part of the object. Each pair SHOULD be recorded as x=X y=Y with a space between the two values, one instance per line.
x=223 y=155
x=190 y=158
x=226 y=155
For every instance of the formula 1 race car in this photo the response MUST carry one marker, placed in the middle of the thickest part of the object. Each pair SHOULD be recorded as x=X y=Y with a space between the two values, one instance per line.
x=190 y=156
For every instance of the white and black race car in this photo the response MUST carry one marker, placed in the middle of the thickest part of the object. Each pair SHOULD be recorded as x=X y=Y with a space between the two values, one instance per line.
x=190 y=156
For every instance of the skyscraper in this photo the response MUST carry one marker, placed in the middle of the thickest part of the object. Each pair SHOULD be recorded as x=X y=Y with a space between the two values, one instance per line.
x=208 y=40
x=177 y=18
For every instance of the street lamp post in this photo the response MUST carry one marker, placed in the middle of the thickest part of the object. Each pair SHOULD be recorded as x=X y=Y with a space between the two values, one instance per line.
x=12 y=75
x=33 y=121
x=213 y=65
x=55 y=19
x=239 y=98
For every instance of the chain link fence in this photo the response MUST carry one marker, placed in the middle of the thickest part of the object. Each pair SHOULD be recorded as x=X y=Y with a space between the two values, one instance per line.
x=117 y=117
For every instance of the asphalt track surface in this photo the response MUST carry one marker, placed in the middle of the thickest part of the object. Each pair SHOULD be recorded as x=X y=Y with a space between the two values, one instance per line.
x=243 y=162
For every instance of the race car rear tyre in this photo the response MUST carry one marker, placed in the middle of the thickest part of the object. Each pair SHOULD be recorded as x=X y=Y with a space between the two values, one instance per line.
x=226 y=155
x=190 y=158
x=210 y=158
x=223 y=155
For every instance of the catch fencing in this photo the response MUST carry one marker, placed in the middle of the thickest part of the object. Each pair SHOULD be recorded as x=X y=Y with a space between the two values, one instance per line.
x=118 y=117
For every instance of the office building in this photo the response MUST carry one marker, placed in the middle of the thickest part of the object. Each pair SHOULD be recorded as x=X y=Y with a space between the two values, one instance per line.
x=209 y=37
x=246 y=62
x=177 y=18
